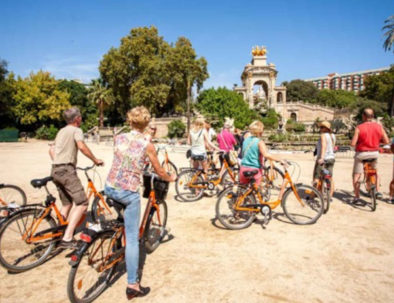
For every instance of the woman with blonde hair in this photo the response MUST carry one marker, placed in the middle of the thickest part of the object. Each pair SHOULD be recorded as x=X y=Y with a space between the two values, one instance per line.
x=122 y=185
x=254 y=151
x=198 y=139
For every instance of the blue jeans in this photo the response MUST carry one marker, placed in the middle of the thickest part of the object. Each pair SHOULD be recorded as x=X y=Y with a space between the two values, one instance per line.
x=131 y=200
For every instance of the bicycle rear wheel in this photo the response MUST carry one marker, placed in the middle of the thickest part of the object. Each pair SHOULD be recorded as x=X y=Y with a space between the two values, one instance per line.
x=227 y=215
x=372 y=196
x=155 y=227
x=90 y=277
x=11 y=194
x=100 y=213
x=16 y=254
x=306 y=211
x=326 y=188
x=186 y=192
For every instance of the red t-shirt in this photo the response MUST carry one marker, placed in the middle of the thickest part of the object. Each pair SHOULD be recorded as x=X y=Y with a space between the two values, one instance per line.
x=370 y=134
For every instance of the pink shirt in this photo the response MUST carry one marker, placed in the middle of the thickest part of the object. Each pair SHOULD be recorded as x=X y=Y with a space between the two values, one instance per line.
x=226 y=140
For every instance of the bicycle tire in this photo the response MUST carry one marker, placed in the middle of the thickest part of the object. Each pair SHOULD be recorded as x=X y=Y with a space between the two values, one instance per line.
x=225 y=212
x=12 y=193
x=372 y=196
x=326 y=196
x=276 y=185
x=310 y=211
x=170 y=167
x=155 y=227
x=183 y=191
x=75 y=283
x=12 y=244
x=100 y=213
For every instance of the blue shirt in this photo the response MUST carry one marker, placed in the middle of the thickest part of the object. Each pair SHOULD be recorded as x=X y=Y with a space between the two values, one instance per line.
x=251 y=153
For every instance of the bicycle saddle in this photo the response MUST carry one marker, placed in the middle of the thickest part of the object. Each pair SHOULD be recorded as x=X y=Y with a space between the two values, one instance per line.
x=119 y=206
x=369 y=160
x=198 y=158
x=37 y=183
x=250 y=174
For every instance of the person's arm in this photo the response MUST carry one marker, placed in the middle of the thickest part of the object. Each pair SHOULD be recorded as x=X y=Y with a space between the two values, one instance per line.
x=151 y=152
x=385 y=139
x=355 y=137
x=266 y=155
x=208 y=143
x=87 y=152
x=189 y=140
x=323 y=141
x=52 y=151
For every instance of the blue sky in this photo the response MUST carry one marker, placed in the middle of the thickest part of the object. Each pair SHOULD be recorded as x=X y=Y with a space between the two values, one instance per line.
x=304 y=38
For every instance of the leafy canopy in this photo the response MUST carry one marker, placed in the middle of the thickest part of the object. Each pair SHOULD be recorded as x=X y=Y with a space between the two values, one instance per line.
x=222 y=102
x=299 y=90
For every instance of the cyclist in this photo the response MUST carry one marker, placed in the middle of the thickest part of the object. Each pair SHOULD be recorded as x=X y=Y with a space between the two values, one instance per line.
x=325 y=156
x=64 y=155
x=226 y=139
x=123 y=182
x=198 y=139
x=253 y=153
x=366 y=139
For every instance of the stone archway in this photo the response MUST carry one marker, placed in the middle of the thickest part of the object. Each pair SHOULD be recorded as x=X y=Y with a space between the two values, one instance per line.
x=279 y=97
x=293 y=116
x=260 y=93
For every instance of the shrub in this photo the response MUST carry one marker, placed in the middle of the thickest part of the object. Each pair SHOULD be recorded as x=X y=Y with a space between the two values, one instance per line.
x=176 y=128
x=293 y=126
x=46 y=133
x=277 y=138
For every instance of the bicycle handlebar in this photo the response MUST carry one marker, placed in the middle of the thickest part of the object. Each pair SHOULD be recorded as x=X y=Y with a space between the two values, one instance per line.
x=86 y=168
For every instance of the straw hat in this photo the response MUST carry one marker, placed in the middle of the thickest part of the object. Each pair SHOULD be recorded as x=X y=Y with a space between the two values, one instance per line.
x=326 y=124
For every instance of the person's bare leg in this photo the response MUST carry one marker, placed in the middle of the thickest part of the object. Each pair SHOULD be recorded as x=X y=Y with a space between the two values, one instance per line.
x=65 y=210
x=75 y=215
x=356 y=185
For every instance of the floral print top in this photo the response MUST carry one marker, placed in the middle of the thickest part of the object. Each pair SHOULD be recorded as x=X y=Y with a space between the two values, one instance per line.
x=129 y=161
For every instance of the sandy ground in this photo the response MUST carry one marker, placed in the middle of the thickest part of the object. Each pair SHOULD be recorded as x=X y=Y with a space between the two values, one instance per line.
x=347 y=256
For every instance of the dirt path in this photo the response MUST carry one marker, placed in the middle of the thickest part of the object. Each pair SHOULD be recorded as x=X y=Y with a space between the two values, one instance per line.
x=347 y=256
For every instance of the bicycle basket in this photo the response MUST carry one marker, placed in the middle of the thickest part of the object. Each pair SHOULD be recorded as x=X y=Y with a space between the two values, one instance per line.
x=160 y=187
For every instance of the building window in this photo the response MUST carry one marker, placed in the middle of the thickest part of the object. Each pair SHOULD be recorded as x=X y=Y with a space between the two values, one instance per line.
x=293 y=116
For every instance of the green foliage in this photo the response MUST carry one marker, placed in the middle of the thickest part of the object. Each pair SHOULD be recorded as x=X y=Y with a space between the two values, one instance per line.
x=6 y=92
x=176 y=128
x=293 y=126
x=271 y=119
x=47 y=133
x=38 y=99
x=381 y=88
x=101 y=96
x=299 y=90
x=389 y=34
x=336 y=98
x=146 y=70
x=337 y=125
x=278 y=138
x=379 y=108
x=222 y=102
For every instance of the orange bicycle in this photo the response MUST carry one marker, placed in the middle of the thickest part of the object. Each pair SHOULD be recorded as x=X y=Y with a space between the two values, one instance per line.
x=236 y=207
x=192 y=182
x=11 y=198
x=31 y=233
x=370 y=180
x=103 y=248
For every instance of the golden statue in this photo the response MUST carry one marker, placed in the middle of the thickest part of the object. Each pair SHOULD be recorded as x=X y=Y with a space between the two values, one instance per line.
x=257 y=51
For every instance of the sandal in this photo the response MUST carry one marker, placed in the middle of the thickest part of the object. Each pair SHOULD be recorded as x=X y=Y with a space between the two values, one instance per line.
x=133 y=293
x=73 y=244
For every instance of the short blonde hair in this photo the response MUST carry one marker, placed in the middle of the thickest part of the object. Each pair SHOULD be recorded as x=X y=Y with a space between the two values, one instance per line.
x=256 y=128
x=138 y=117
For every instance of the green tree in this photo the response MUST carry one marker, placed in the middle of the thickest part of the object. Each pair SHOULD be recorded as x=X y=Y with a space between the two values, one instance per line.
x=7 y=118
x=146 y=70
x=102 y=96
x=299 y=90
x=271 y=119
x=389 y=34
x=176 y=128
x=335 y=98
x=79 y=97
x=222 y=102
x=381 y=88
x=38 y=100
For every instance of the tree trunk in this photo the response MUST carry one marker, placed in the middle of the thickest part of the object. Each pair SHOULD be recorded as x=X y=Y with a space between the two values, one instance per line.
x=101 y=110
x=188 y=105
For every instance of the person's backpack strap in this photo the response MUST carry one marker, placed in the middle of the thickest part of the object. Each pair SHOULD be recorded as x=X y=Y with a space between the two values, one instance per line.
x=249 y=146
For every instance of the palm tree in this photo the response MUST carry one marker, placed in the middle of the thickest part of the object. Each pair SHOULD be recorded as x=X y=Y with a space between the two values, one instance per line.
x=388 y=43
x=102 y=96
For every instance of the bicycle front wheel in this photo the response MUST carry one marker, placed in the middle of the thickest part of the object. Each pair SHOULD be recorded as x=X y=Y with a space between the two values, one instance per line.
x=326 y=195
x=372 y=196
x=170 y=168
x=17 y=254
x=91 y=275
x=11 y=194
x=225 y=208
x=304 y=209
x=187 y=185
x=155 y=227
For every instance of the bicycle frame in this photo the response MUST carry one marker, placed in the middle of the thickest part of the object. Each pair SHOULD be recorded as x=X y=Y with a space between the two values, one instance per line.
x=370 y=174
x=272 y=204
